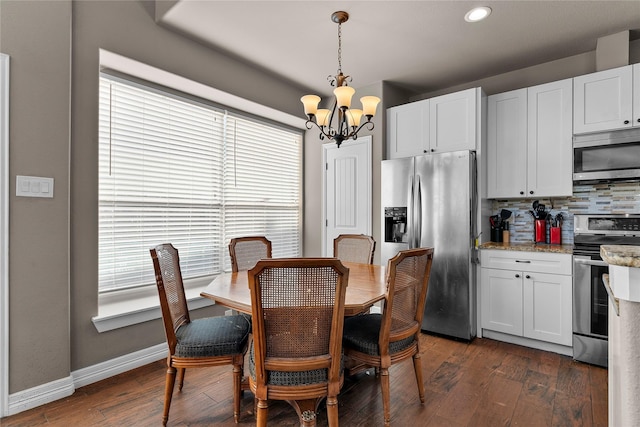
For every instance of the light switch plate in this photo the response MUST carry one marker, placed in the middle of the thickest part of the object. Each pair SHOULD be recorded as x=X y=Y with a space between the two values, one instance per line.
x=34 y=186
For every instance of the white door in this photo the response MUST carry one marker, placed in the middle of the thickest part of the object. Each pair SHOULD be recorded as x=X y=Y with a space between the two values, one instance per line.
x=347 y=190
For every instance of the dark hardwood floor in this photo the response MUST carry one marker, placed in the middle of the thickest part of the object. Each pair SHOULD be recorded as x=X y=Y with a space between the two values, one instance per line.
x=485 y=383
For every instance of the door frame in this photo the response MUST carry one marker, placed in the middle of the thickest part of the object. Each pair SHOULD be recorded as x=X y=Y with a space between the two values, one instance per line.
x=4 y=234
x=363 y=140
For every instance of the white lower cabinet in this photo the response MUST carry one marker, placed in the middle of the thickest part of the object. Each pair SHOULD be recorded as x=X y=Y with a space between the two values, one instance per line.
x=527 y=294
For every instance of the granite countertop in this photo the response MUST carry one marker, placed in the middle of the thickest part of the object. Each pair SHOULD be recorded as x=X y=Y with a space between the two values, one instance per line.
x=530 y=247
x=622 y=255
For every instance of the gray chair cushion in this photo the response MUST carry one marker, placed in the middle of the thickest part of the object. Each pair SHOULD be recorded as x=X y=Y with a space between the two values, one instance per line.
x=313 y=376
x=213 y=336
x=361 y=333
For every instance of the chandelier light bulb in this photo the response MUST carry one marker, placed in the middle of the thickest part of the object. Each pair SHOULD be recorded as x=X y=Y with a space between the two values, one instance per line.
x=310 y=103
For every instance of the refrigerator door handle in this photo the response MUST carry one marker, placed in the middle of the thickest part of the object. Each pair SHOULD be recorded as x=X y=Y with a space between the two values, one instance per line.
x=410 y=211
x=418 y=219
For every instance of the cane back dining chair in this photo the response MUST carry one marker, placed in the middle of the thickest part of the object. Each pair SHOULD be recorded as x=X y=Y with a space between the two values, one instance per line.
x=212 y=341
x=354 y=248
x=381 y=340
x=298 y=311
x=246 y=251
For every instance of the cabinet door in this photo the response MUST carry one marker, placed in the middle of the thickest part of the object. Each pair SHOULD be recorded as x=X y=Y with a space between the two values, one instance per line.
x=547 y=307
x=452 y=121
x=602 y=100
x=507 y=144
x=501 y=300
x=408 y=130
x=636 y=94
x=550 y=139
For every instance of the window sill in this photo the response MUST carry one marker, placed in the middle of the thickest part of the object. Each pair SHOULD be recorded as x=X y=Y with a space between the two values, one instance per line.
x=130 y=307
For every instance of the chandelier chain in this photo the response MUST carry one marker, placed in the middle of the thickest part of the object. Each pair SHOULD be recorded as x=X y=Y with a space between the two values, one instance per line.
x=339 y=48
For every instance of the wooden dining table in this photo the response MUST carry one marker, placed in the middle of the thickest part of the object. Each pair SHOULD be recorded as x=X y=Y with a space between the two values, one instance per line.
x=367 y=285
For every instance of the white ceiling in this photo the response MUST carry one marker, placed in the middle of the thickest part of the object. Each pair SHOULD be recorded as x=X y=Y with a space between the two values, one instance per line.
x=420 y=45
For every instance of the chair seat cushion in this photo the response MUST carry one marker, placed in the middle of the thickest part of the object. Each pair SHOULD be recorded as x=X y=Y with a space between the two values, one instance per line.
x=361 y=333
x=313 y=376
x=213 y=336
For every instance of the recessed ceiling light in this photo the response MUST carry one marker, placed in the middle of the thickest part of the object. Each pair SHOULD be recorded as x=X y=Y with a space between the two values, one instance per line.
x=477 y=14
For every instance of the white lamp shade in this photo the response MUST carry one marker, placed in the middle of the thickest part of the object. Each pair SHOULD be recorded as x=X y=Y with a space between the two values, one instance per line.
x=343 y=95
x=322 y=117
x=310 y=103
x=369 y=104
x=353 y=116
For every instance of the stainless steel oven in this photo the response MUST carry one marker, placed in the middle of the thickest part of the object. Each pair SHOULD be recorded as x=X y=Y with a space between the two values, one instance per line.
x=590 y=298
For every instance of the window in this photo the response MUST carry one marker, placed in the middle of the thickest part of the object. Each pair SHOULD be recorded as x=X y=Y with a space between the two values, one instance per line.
x=176 y=170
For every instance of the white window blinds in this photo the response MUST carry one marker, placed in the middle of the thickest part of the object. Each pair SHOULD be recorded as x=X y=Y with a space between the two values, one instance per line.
x=174 y=170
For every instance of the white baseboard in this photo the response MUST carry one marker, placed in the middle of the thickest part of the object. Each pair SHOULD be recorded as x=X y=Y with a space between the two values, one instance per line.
x=58 y=389
x=109 y=368
x=527 y=342
x=39 y=395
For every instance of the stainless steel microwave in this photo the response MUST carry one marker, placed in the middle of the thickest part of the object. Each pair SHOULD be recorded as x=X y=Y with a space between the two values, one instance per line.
x=607 y=156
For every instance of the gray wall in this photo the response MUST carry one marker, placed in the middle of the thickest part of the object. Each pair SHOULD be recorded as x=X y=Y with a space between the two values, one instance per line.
x=53 y=124
x=54 y=133
x=37 y=36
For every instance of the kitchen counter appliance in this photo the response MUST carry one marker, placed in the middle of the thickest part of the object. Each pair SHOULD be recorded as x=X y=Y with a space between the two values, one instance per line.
x=430 y=201
x=590 y=298
x=607 y=156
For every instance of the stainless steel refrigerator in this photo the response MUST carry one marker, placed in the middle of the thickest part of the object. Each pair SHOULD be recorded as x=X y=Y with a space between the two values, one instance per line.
x=431 y=201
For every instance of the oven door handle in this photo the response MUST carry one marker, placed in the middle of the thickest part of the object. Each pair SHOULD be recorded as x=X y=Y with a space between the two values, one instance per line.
x=590 y=262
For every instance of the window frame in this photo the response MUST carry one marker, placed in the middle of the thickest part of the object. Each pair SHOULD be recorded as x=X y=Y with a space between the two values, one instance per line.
x=115 y=308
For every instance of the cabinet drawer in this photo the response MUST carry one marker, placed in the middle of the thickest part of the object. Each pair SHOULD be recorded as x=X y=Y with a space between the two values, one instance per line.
x=539 y=262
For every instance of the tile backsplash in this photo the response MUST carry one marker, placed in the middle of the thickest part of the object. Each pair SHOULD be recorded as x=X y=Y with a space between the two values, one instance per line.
x=614 y=198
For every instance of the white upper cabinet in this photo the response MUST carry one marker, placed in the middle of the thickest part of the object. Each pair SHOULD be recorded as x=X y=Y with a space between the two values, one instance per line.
x=453 y=121
x=436 y=125
x=529 y=142
x=636 y=94
x=604 y=100
x=507 y=144
x=408 y=130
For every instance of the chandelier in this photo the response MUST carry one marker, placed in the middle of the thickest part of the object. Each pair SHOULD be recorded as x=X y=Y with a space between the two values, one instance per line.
x=347 y=119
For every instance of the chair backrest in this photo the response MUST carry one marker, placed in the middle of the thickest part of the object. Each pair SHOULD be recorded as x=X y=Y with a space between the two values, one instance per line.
x=407 y=284
x=246 y=251
x=354 y=248
x=298 y=315
x=173 y=302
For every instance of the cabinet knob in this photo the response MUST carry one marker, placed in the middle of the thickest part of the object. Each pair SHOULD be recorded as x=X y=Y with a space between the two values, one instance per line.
x=531 y=192
x=517 y=276
x=433 y=149
x=521 y=193
x=626 y=122
x=638 y=120
x=424 y=151
x=527 y=276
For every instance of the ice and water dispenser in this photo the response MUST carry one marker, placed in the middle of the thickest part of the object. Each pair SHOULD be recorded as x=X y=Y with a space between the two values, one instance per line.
x=395 y=224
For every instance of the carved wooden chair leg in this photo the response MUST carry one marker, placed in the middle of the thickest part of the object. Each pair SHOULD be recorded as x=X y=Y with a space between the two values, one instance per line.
x=386 y=403
x=417 y=366
x=332 y=411
x=168 y=393
x=181 y=372
x=261 y=413
x=237 y=387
